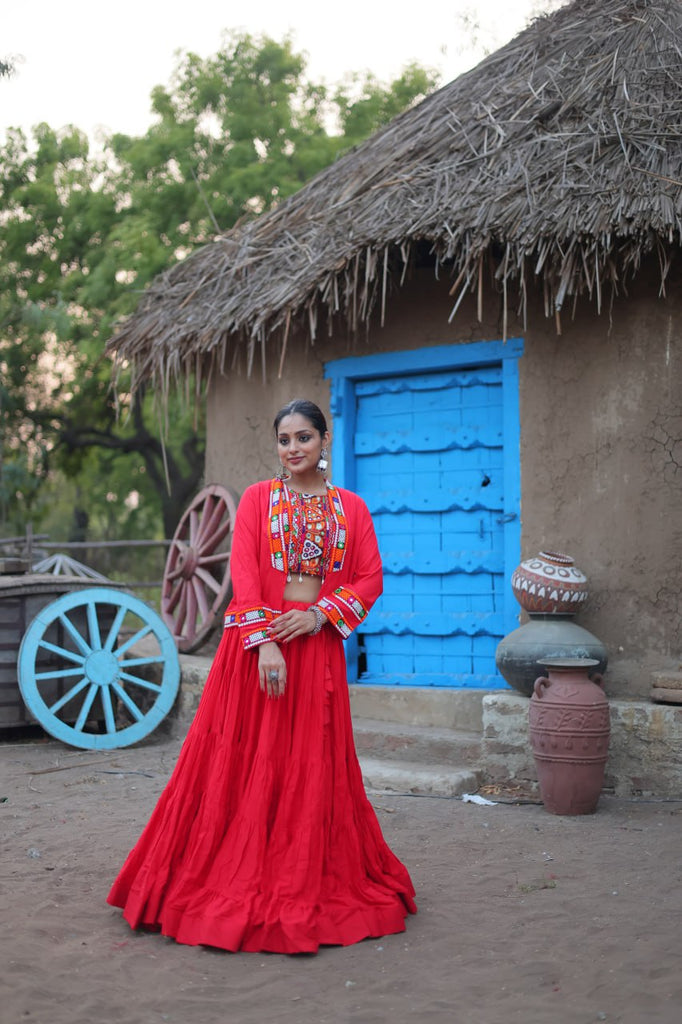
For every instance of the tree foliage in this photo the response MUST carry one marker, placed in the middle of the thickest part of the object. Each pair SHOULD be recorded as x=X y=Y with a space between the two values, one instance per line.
x=84 y=232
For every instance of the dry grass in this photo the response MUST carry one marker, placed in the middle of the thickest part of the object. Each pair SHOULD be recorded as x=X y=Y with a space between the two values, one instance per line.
x=556 y=160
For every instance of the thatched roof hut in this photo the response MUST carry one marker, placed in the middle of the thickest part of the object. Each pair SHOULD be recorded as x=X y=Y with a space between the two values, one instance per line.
x=433 y=269
x=557 y=161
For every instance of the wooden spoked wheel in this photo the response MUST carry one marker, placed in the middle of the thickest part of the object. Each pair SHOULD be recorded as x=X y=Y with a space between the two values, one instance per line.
x=196 y=580
x=98 y=669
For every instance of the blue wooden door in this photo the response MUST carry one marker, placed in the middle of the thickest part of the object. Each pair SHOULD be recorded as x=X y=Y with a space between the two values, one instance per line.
x=433 y=450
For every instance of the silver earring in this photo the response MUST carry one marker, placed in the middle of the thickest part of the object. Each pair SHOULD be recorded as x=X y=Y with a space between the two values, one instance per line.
x=282 y=473
x=322 y=464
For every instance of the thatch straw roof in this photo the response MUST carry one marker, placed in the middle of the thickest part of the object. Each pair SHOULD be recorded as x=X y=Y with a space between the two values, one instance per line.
x=557 y=159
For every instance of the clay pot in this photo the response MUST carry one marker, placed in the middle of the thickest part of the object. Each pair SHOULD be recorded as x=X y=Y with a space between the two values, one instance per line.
x=569 y=734
x=550 y=583
x=544 y=636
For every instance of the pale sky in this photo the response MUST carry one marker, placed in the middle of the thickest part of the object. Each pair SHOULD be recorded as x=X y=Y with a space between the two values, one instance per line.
x=94 y=65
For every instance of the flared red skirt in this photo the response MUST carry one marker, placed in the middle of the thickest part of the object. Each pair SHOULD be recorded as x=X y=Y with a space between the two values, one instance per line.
x=264 y=838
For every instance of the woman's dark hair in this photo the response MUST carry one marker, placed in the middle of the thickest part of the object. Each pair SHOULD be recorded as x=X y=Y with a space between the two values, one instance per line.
x=303 y=407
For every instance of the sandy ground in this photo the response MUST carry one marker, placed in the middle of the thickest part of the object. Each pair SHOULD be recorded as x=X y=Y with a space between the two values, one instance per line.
x=523 y=916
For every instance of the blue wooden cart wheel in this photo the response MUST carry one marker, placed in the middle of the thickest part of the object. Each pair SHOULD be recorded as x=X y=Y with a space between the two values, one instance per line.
x=98 y=669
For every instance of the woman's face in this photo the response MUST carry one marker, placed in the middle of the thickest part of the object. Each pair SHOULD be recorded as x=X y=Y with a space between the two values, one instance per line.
x=299 y=445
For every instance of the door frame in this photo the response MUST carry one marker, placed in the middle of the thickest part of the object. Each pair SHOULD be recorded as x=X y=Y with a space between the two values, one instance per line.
x=343 y=375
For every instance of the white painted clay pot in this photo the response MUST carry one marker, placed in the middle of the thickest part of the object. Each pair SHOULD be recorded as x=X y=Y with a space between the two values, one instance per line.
x=550 y=583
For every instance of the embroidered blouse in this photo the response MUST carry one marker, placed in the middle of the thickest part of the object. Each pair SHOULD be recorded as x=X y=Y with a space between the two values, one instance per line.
x=309 y=535
x=274 y=536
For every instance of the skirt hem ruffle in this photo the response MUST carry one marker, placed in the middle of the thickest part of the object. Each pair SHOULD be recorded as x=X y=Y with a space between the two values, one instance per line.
x=236 y=933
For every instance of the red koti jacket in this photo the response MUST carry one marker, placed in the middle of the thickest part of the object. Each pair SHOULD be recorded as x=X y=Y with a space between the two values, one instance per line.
x=352 y=575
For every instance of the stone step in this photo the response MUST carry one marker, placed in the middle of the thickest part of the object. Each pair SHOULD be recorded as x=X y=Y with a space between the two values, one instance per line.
x=666 y=687
x=671 y=680
x=419 y=705
x=417 y=779
x=423 y=744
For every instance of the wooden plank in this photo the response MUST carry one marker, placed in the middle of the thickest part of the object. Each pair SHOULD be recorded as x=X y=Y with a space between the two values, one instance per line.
x=462 y=680
x=434 y=438
x=435 y=500
x=445 y=381
x=442 y=563
x=443 y=624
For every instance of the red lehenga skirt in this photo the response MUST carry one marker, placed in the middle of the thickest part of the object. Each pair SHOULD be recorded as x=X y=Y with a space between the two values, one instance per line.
x=264 y=838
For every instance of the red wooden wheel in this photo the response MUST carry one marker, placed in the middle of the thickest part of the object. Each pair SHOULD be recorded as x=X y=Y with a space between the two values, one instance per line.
x=196 y=580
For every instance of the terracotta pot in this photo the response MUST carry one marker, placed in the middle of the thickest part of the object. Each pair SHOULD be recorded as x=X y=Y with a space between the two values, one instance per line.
x=569 y=734
x=549 y=583
x=544 y=636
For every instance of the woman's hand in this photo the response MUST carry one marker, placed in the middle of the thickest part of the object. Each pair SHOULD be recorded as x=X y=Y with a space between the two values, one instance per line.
x=272 y=670
x=291 y=624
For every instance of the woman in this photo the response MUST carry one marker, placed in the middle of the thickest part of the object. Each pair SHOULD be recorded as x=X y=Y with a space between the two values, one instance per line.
x=264 y=838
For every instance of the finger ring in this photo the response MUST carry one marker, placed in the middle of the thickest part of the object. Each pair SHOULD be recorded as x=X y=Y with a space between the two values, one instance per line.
x=272 y=676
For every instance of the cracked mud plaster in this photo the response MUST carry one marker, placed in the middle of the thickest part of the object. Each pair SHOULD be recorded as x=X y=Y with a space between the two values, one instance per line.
x=663 y=441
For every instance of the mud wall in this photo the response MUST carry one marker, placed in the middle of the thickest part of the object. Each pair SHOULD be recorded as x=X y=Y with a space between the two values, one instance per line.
x=601 y=444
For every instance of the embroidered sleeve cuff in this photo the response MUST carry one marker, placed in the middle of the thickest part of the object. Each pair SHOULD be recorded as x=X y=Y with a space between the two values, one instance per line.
x=344 y=609
x=252 y=624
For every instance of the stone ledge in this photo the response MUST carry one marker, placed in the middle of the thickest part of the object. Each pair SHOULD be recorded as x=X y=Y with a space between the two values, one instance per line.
x=416 y=778
x=423 y=744
x=419 y=705
x=645 y=747
x=667 y=680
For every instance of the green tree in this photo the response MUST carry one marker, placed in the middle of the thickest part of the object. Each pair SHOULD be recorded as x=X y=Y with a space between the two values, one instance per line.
x=60 y=290
x=364 y=105
x=83 y=234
